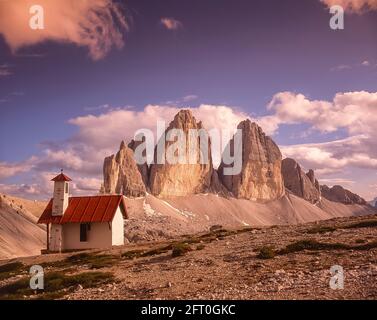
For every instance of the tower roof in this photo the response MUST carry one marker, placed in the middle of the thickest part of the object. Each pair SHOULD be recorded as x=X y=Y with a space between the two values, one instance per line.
x=61 y=177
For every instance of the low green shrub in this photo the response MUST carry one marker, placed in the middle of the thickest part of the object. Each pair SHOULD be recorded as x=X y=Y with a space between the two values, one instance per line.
x=266 y=252
x=10 y=269
x=180 y=249
x=361 y=224
x=311 y=245
x=54 y=283
x=321 y=229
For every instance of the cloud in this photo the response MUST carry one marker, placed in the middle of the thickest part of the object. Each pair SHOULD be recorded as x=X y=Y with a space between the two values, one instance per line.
x=101 y=107
x=22 y=190
x=38 y=187
x=341 y=67
x=171 y=23
x=95 y=24
x=87 y=185
x=355 y=112
x=113 y=124
x=5 y=70
x=121 y=124
x=337 y=181
x=98 y=136
x=353 y=5
x=344 y=67
x=190 y=97
x=181 y=101
x=334 y=156
x=81 y=155
x=11 y=96
x=11 y=169
x=41 y=186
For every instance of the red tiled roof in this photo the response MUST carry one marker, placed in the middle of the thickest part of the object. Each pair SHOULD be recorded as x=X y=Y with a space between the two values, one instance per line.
x=86 y=209
x=61 y=177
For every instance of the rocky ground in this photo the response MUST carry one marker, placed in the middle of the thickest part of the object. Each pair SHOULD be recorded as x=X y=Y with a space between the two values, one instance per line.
x=281 y=262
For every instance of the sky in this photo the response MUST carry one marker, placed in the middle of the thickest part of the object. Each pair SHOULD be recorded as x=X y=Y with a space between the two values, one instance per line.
x=101 y=69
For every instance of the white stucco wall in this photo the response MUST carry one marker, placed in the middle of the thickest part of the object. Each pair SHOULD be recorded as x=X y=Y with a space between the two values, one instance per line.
x=99 y=236
x=118 y=229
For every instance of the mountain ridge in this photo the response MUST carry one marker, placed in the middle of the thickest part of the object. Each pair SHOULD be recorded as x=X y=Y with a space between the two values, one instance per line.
x=264 y=175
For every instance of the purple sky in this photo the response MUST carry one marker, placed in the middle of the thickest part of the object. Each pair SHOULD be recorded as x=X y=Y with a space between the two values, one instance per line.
x=234 y=53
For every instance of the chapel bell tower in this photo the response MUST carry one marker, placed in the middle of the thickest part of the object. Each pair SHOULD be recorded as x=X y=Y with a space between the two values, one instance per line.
x=61 y=192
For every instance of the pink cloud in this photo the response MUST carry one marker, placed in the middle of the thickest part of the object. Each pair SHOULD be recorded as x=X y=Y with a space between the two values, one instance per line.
x=81 y=156
x=11 y=169
x=355 y=111
x=353 y=5
x=98 y=136
x=5 y=70
x=171 y=23
x=95 y=24
x=334 y=156
x=40 y=186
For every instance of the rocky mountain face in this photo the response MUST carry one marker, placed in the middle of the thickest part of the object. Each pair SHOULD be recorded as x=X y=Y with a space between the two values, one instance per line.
x=260 y=177
x=302 y=184
x=121 y=174
x=339 y=194
x=182 y=179
x=263 y=174
x=143 y=168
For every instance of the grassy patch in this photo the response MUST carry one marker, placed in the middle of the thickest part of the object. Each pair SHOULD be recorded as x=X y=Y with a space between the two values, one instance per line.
x=311 y=245
x=176 y=247
x=321 y=229
x=367 y=246
x=10 y=269
x=93 y=261
x=266 y=252
x=146 y=253
x=219 y=233
x=314 y=245
x=57 y=284
x=102 y=261
x=180 y=249
x=157 y=251
x=132 y=254
x=361 y=224
x=79 y=258
x=200 y=247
